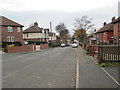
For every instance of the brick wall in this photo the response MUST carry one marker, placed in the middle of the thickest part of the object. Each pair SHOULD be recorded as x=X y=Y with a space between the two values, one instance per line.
x=44 y=46
x=116 y=32
x=24 y=48
x=18 y=36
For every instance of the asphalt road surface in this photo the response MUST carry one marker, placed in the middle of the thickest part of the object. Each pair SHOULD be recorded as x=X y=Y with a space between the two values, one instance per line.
x=52 y=68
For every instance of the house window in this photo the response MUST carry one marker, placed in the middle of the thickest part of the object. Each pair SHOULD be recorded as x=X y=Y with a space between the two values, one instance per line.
x=18 y=29
x=119 y=27
x=27 y=34
x=10 y=39
x=10 y=29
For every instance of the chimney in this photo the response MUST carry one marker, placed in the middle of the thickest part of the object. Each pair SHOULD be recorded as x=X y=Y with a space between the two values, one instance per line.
x=113 y=18
x=94 y=30
x=104 y=23
x=35 y=24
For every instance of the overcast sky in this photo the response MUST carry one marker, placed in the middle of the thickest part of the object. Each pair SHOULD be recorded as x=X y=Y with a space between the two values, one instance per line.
x=43 y=11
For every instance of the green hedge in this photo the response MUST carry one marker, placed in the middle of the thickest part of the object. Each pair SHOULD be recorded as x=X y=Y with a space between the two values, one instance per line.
x=54 y=45
x=87 y=49
x=37 y=42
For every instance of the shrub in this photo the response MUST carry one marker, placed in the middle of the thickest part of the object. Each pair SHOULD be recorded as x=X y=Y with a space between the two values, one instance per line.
x=87 y=49
x=37 y=42
x=54 y=45
x=11 y=45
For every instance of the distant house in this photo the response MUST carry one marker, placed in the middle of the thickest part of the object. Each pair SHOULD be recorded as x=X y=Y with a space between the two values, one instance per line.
x=52 y=37
x=57 y=39
x=91 y=39
x=35 y=33
x=12 y=32
x=105 y=33
x=116 y=30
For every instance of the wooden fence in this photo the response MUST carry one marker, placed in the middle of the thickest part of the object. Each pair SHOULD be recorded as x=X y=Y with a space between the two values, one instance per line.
x=109 y=53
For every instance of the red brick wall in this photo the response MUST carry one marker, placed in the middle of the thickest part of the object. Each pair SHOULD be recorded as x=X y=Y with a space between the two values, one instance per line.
x=107 y=36
x=24 y=48
x=18 y=36
x=116 y=32
x=44 y=46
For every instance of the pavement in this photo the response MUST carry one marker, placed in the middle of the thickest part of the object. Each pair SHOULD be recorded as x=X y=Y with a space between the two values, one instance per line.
x=92 y=75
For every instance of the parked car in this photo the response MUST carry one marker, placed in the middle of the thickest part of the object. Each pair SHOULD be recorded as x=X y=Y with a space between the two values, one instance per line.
x=74 y=45
x=62 y=45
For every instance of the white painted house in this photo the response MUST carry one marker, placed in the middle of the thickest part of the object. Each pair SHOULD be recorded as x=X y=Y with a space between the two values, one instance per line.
x=35 y=33
x=52 y=37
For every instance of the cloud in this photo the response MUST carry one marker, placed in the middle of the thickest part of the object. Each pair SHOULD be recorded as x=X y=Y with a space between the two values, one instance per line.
x=61 y=5
x=44 y=17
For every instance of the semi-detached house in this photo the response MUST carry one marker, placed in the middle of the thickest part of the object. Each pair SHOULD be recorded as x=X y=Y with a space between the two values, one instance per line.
x=35 y=33
x=12 y=32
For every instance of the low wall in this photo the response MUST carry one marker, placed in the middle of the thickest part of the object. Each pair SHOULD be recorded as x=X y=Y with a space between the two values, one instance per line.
x=44 y=46
x=24 y=48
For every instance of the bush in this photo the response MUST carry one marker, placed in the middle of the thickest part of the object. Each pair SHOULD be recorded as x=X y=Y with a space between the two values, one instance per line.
x=87 y=49
x=12 y=45
x=0 y=44
x=37 y=42
x=54 y=45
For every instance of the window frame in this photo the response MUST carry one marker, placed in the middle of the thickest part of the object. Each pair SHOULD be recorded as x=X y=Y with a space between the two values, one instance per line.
x=18 y=29
x=10 y=39
x=10 y=29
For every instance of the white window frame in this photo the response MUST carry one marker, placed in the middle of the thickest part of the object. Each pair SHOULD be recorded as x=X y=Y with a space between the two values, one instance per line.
x=18 y=29
x=10 y=38
x=10 y=29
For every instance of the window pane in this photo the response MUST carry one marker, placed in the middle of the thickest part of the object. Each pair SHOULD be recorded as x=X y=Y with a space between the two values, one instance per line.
x=18 y=29
x=10 y=29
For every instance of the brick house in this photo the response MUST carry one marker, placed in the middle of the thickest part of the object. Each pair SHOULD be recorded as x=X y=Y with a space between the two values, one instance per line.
x=116 y=30
x=35 y=33
x=105 y=33
x=12 y=32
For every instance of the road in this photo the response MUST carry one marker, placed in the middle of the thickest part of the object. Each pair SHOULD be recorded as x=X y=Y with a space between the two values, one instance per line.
x=52 y=68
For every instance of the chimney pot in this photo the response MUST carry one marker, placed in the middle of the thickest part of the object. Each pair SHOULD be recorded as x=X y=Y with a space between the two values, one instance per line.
x=113 y=18
x=104 y=23
x=35 y=24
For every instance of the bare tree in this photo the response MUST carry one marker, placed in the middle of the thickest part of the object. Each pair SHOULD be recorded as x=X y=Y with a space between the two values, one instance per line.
x=63 y=32
x=84 y=23
x=60 y=27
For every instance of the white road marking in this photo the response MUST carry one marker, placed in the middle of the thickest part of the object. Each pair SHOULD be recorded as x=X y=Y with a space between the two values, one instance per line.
x=77 y=74
x=108 y=74
x=111 y=76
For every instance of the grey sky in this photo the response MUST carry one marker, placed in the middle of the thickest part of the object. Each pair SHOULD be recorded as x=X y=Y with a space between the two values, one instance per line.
x=26 y=15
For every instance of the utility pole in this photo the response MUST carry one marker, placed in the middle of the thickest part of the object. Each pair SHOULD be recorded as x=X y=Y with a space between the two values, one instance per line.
x=51 y=31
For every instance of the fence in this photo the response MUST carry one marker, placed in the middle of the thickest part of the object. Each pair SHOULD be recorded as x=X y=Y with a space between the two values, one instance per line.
x=108 y=53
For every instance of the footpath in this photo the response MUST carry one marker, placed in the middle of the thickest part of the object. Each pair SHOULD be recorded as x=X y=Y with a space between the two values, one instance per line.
x=92 y=75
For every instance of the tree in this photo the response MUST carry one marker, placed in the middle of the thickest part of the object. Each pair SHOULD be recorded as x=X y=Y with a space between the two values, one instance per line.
x=80 y=35
x=63 y=32
x=81 y=27
x=83 y=23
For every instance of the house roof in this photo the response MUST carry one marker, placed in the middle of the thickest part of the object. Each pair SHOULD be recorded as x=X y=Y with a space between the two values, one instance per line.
x=7 y=22
x=106 y=28
x=33 y=29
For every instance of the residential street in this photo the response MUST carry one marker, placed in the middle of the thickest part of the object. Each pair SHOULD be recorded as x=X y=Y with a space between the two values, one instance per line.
x=53 y=68
x=46 y=69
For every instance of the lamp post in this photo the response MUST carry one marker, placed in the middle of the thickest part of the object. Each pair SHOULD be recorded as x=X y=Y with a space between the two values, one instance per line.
x=51 y=31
